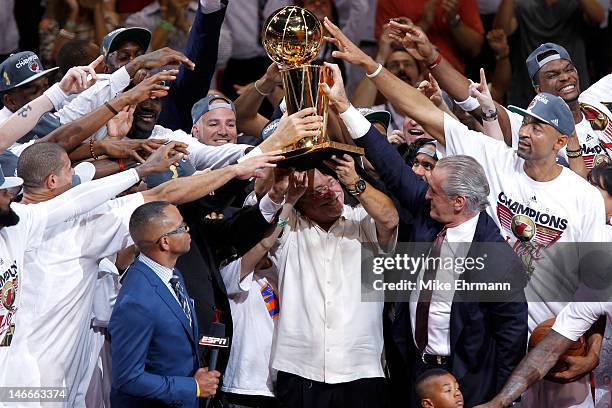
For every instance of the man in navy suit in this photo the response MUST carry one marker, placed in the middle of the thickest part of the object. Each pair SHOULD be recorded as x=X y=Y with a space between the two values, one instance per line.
x=153 y=328
x=479 y=337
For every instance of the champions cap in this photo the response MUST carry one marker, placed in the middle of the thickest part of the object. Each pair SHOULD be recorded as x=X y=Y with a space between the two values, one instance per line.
x=549 y=109
x=21 y=68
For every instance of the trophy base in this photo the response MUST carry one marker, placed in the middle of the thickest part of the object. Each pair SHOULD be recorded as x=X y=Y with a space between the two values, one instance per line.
x=310 y=157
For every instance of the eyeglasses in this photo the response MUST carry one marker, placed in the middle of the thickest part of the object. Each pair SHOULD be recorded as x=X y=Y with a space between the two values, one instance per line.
x=324 y=189
x=179 y=230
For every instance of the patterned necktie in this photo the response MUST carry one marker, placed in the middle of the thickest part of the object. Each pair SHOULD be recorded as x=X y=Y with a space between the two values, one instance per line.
x=181 y=294
x=421 y=324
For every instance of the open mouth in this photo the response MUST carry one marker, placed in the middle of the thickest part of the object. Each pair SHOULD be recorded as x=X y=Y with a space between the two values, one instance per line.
x=567 y=89
x=146 y=115
x=416 y=132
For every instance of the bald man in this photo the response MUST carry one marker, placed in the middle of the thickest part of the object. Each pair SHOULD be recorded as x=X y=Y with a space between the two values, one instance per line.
x=153 y=328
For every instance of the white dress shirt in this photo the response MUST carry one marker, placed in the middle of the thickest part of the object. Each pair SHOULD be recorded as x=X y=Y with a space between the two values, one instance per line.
x=325 y=332
x=438 y=329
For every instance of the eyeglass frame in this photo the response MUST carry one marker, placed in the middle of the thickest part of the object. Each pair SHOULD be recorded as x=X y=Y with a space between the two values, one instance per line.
x=178 y=230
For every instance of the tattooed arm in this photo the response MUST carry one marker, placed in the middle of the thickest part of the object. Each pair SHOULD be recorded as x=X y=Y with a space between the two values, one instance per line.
x=532 y=369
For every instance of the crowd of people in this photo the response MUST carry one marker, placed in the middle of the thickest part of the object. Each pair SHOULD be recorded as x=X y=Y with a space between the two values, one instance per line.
x=155 y=250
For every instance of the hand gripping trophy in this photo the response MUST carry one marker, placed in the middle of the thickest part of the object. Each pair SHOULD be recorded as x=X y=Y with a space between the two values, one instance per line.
x=292 y=37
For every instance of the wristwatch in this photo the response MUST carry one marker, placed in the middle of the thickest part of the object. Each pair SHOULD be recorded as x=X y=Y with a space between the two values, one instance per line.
x=359 y=188
x=489 y=116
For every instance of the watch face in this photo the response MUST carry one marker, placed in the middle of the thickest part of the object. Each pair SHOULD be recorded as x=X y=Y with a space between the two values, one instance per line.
x=360 y=185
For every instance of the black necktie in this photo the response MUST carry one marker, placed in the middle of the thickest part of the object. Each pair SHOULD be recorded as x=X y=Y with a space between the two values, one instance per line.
x=181 y=294
x=421 y=324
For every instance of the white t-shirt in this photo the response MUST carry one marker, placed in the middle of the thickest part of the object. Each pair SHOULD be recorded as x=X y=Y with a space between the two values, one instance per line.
x=255 y=310
x=534 y=215
x=51 y=344
x=594 y=132
x=325 y=331
x=578 y=317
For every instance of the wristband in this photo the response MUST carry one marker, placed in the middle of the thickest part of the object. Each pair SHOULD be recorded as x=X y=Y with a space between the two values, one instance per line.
x=121 y=165
x=110 y=108
x=436 y=62
x=282 y=223
x=56 y=96
x=376 y=72
x=469 y=104
x=573 y=154
x=166 y=25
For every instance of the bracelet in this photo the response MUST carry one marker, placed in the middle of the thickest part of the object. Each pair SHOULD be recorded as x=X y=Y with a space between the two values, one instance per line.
x=259 y=91
x=121 y=165
x=282 y=223
x=91 y=149
x=67 y=34
x=110 y=107
x=573 y=154
x=574 y=151
x=376 y=72
x=166 y=25
x=489 y=116
x=436 y=62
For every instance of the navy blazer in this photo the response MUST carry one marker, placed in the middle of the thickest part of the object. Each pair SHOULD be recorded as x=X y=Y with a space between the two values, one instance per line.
x=487 y=338
x=191 y=86
x=153 y=347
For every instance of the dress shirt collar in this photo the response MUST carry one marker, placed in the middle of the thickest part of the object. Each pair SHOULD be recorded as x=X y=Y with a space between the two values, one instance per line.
x=463 y=232
x=164 y=273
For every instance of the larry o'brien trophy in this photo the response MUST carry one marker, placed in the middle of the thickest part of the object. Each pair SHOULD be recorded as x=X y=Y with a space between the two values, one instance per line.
x=292 y=37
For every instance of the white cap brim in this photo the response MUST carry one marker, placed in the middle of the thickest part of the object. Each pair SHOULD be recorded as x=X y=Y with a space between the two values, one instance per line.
x=11 y=182
x=83 y=172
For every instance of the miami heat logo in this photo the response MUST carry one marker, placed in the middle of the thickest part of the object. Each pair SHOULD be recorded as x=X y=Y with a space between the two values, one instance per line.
x=8 y=295
x=34 y=67
x=596 y=118
x=600 y=158
x=523 y=227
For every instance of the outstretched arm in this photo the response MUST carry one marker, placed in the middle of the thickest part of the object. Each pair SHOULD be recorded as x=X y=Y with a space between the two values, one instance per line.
x=404 y=97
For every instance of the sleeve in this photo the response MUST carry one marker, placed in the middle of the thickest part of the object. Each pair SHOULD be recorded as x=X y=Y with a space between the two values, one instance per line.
x=190 y=86
x=516 y=121
x=231 y=278
x=103 y=90
x=203 y=156
x=461 y=140
x=598 y=92
x=470 y=15
x=111 y=232
x=368 y=233
x=269 y=208
x=353 y=27
x=385 y=10
x=576 y=318
x=131 y=329
x=85 y=197
x=32 y=224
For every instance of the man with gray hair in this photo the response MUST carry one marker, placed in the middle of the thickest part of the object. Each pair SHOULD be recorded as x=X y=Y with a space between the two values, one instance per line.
x=478 y=338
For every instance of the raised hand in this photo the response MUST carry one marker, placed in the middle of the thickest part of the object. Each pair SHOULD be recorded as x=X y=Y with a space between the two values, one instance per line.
x=336 y=94
x=151 y=88
x=432 y=90
x=119 y=126
x=396 y=137
x=251 y=167
x=345 y=169
x=347 y=50
x=498 y=42
x=481 y=92
x=414 y=40
x=75 y=81
x=298 y=184
x=158 y=58
x=294 y=127
x=161 y=159
x=129 y=149
x=451 y=9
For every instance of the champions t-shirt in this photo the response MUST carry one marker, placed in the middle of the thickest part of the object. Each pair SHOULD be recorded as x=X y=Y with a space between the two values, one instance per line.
x=594 y=132
x=533 y=216
x=578 y=317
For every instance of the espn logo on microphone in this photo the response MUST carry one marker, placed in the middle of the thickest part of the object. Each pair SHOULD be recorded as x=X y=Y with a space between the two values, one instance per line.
x=214 y=341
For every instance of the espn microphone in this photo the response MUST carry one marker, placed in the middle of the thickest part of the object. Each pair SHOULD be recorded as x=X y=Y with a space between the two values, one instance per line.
x=215 y=341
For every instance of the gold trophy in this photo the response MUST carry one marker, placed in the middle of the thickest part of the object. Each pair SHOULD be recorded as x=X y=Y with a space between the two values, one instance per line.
x=292 y=37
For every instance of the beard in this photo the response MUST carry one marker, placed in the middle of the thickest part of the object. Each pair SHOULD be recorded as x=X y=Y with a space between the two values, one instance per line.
x=8 y=218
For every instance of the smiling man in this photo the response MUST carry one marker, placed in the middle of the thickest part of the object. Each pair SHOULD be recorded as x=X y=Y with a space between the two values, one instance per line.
x=214 y=121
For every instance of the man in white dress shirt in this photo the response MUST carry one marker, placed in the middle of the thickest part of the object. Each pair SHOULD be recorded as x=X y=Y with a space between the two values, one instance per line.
x=328 y=342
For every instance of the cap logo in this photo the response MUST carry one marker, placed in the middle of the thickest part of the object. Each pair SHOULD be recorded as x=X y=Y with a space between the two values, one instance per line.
x=555 y=121
x=34 y=67
x=5 y=77
x=32 y=59
x=541 y=98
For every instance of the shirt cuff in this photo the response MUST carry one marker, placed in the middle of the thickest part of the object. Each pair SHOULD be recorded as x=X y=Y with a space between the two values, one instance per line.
x=56 y=96
x=269 y=208
x=211 y=6
x=255 y=152
x=356 y=124
x=120 y=79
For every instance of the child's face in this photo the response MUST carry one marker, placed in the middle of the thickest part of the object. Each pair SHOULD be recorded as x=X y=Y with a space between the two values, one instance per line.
x=445 y=393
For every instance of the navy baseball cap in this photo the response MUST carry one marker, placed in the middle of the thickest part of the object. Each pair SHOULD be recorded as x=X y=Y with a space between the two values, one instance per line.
x=269 y=129
x=183 y=168
x=113 y=40
x=543 y=54
x=549 y=109
x=21 y=68
x=204 y=105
